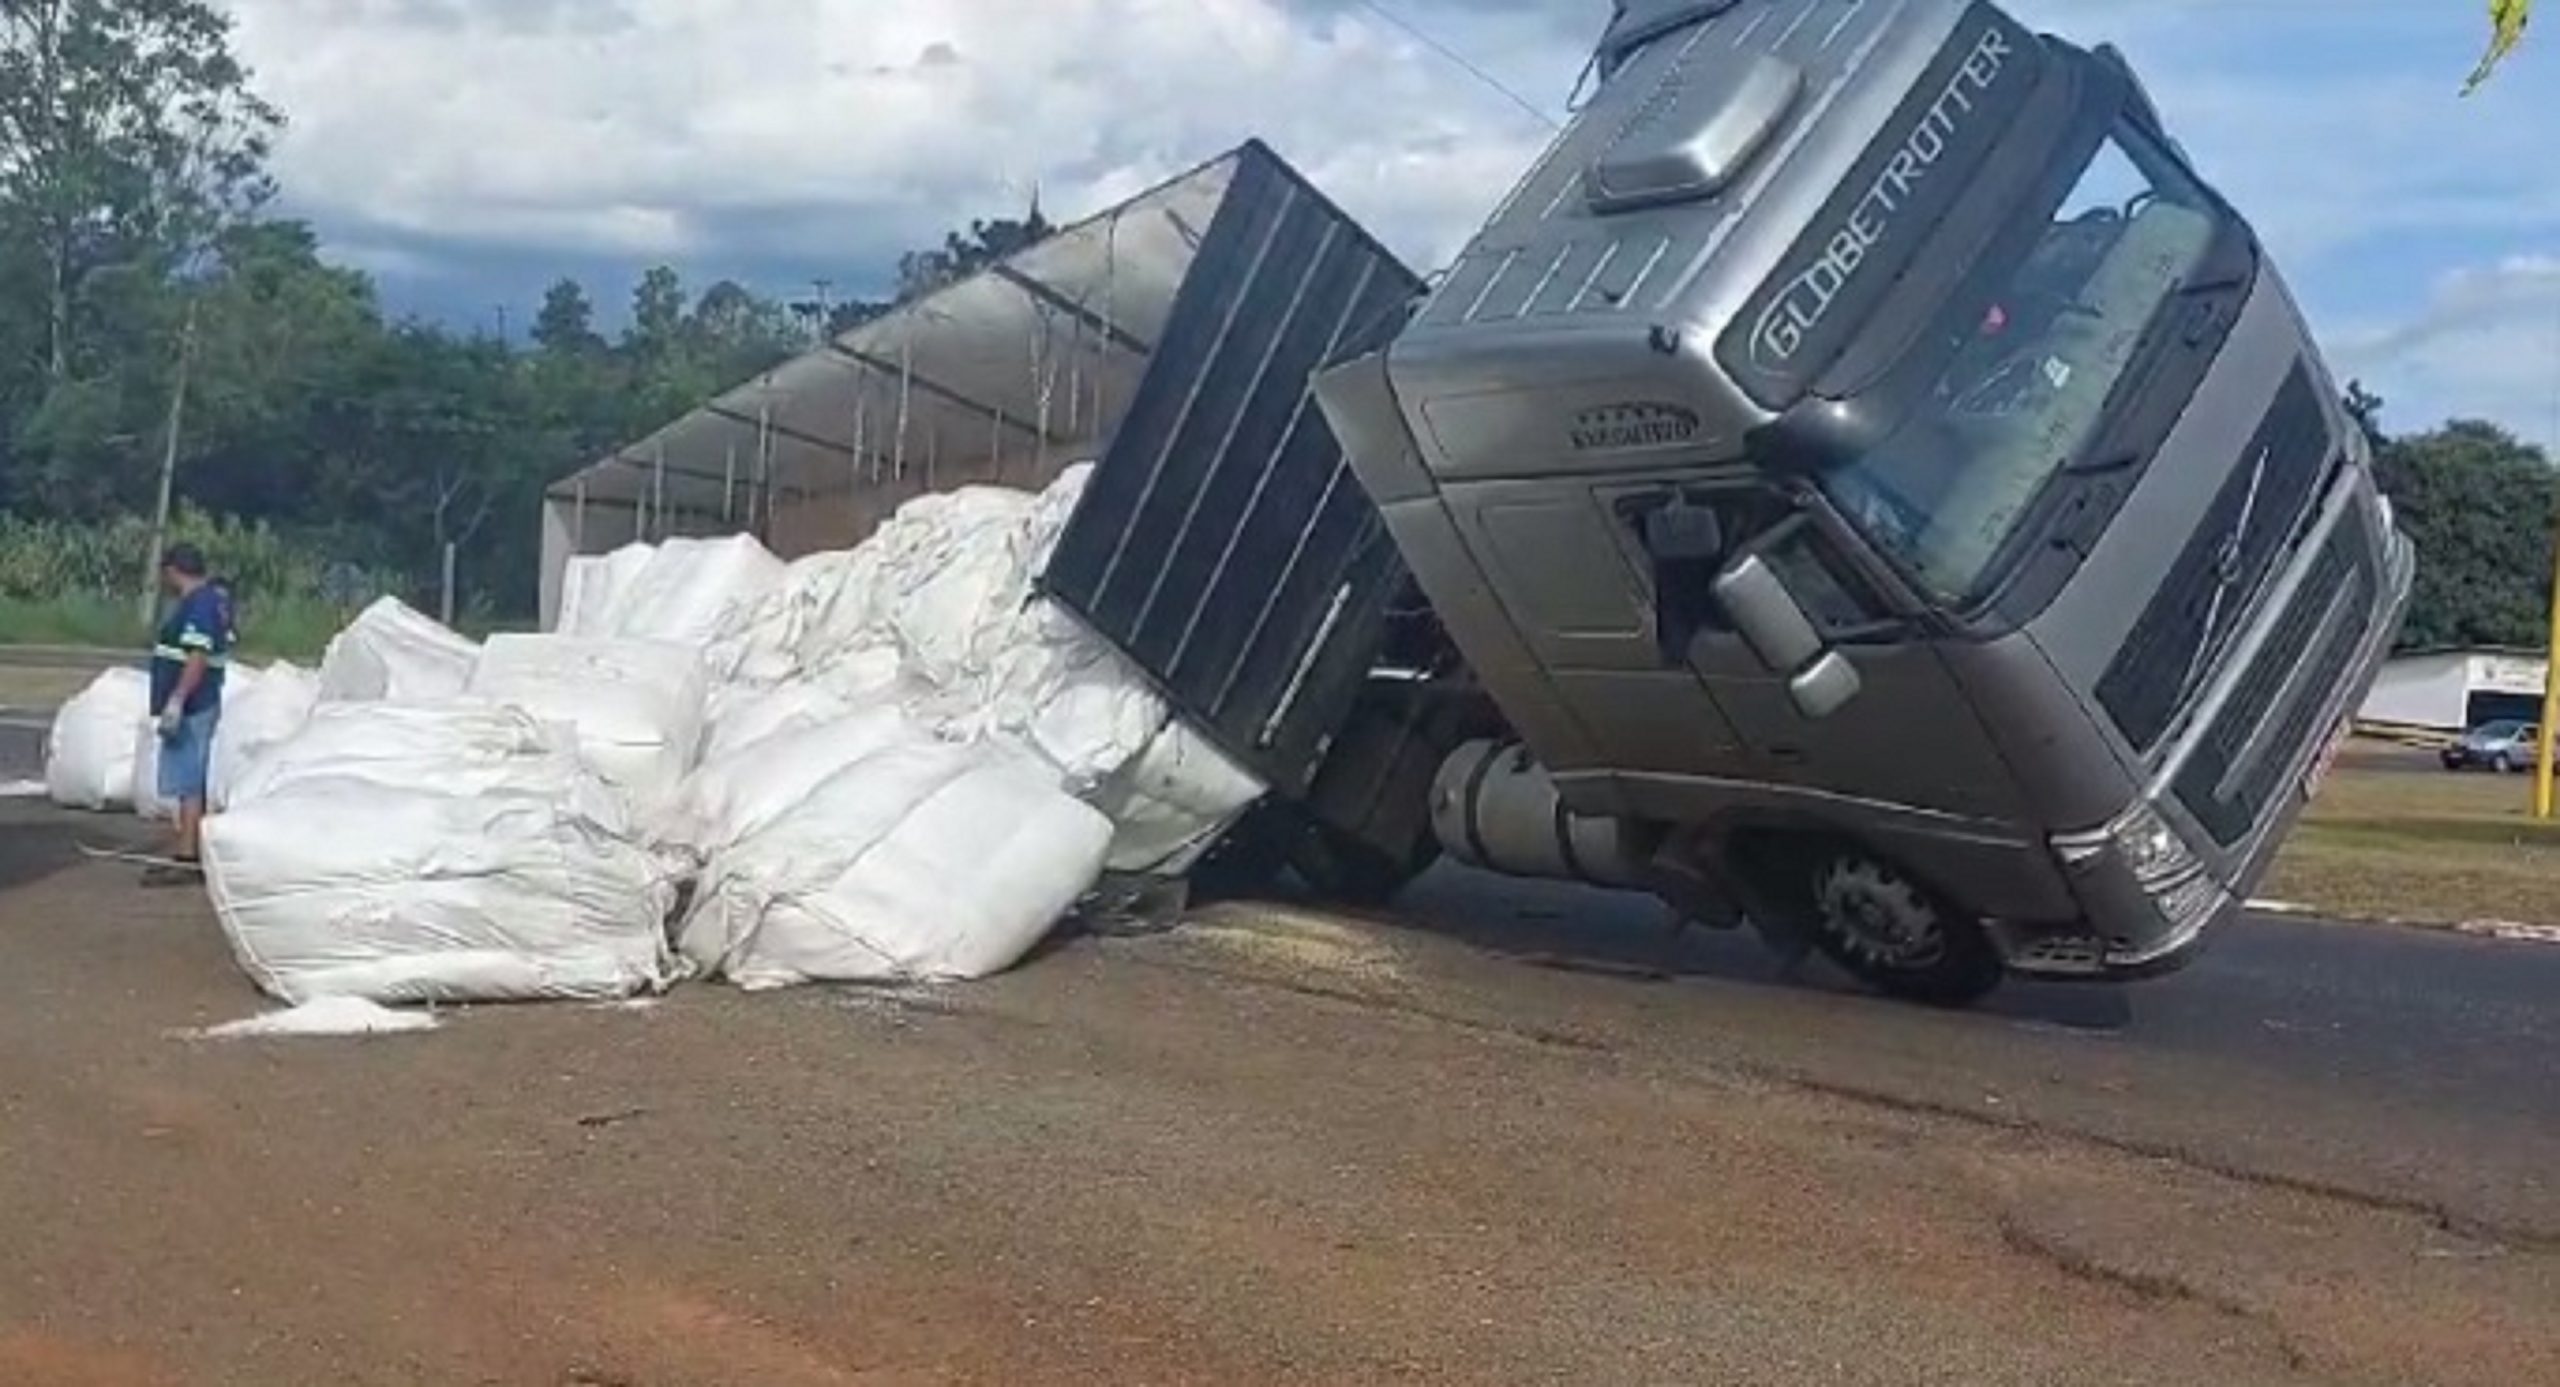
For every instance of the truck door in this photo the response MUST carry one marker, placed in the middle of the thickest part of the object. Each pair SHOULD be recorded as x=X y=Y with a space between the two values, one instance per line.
x=1909 y=737
x=1561 y=568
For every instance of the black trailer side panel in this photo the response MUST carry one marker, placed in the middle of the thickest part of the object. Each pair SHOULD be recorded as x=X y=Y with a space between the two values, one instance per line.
x=1222 y=542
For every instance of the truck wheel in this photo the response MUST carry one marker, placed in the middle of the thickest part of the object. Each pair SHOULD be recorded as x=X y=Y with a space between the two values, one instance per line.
x=1895 y=935
x=1342 y=868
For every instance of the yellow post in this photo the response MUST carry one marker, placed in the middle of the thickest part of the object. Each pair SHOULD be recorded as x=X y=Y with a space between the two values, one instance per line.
x=2550 y=695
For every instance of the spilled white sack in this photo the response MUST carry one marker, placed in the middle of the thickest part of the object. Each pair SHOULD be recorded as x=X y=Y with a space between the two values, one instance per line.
x=920 y=862
x=591 y=584
x=737 y=797
x=393 y=653
x=741 y=716
x=1170 y=805
x=636 y=705
x=260 y=709
x=459 y=748
x=89 y=751
x=701 y=593
x=351 y=888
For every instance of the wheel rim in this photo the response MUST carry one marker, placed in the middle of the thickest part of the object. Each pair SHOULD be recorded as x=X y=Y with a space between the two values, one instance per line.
x=1880 y=916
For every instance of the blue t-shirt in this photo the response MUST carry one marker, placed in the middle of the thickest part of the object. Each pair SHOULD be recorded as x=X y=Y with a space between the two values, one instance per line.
x=200 y=623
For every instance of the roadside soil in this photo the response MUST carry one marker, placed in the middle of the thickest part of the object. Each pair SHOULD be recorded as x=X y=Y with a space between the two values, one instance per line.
x=1263 y=1151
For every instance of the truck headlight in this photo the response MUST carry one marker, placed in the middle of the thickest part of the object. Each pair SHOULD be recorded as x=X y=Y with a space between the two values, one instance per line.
x=2152 y=850
x=2142 y=844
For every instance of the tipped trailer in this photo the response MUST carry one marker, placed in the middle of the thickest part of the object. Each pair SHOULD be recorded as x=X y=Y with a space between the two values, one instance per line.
x=1863 y=482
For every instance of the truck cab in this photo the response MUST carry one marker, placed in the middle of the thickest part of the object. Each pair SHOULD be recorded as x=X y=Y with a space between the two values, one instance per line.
x=1888 y=495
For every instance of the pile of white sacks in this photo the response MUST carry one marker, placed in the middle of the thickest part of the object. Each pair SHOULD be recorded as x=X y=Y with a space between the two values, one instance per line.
x=892 y=763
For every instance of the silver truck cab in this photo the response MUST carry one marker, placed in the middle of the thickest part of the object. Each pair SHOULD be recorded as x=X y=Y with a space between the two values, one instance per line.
x=1888 y=494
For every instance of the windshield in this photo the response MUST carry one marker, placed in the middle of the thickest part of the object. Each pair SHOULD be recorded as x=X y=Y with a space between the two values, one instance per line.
x=2028 y=369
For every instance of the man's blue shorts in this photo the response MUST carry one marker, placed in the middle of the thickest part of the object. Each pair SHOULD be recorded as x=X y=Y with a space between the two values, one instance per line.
x=186 y=760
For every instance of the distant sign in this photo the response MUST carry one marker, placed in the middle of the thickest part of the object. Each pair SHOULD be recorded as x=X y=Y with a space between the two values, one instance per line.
x=2506 y=674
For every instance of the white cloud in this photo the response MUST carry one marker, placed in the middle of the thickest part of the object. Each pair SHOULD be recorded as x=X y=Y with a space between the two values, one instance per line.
x=667 y=127
x=2486 y=345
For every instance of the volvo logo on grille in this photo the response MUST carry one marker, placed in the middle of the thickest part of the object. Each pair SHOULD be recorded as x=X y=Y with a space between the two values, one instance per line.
x=2226 y=561
x=1637 y=424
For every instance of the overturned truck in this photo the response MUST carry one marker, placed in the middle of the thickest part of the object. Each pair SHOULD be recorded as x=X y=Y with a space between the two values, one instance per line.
x=1862 y=483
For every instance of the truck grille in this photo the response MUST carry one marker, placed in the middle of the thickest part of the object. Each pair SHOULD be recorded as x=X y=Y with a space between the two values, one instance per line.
x=2317 y=636
x=2244 y=532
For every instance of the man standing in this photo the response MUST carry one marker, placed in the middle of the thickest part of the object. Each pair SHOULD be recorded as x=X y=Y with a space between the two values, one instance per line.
x=187 y=663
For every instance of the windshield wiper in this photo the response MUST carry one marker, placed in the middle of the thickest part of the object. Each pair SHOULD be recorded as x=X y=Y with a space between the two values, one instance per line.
x=2176 y=308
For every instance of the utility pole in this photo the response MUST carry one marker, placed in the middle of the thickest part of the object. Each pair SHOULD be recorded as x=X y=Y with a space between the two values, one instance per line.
x=2551 y=636
x=168 y=466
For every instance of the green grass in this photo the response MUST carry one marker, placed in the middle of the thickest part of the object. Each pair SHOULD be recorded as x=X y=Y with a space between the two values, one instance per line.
x=295 y=629
x=2402 y=843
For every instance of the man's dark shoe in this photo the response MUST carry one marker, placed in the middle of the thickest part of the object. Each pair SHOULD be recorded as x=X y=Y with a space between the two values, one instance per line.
x=173 y=874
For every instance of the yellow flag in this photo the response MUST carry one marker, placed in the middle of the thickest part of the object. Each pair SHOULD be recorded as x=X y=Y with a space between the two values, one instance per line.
x=2506 y=27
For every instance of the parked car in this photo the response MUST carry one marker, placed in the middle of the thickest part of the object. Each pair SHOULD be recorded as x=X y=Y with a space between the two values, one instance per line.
x=2504 y=745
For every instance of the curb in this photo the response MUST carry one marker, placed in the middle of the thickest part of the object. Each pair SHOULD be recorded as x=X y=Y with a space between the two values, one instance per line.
x=2512 y=931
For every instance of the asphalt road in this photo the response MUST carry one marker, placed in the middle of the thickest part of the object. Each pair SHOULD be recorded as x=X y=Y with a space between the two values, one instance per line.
x=1520 y=1136
x=21 y=747
x=2398 y=1065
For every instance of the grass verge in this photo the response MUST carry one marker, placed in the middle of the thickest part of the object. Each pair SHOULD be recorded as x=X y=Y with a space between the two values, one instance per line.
x=272 y=629
x=2394 y=838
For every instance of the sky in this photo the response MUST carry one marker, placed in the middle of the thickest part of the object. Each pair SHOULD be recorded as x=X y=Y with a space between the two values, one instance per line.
x=468 y=152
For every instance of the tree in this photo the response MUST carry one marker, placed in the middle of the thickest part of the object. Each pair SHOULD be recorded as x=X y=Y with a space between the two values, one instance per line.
x=2479 y=506
x=657 y=312
x=128 y=133
x=566 y=326
x=922 y=272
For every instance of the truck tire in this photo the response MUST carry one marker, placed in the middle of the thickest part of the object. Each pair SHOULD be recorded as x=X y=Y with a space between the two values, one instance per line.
x=1343 y=869
x=1891 y=932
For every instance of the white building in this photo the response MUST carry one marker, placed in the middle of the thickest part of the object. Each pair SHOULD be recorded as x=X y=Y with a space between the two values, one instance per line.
x=2450 y=690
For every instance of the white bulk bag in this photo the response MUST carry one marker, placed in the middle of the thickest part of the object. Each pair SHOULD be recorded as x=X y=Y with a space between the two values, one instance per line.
x=591 y=584
x=735 y=797
x=918 y=863
x=636 y=705
x=89 y=753
x=741 y=715
x=260 y=708
x=461 y=748
x=771 y=647
x=1171 y=803
x=351 y=888
x=702 y=593
x=391 y=652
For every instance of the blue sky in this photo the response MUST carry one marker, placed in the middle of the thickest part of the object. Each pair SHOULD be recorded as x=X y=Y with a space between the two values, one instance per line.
x=468 y=151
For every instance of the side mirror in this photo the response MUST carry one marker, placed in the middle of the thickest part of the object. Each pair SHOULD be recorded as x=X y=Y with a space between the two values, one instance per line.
x=1820 y=680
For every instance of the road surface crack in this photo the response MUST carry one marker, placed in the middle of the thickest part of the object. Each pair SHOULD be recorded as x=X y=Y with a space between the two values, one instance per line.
x=2152 y=1287
x=2504 y=1237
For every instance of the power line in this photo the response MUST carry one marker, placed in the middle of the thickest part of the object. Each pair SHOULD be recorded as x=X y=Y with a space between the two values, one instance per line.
x=1461 y=60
